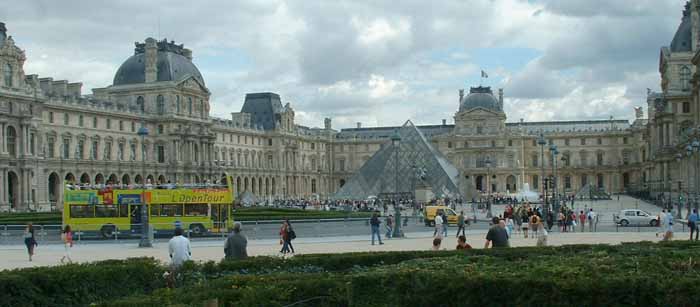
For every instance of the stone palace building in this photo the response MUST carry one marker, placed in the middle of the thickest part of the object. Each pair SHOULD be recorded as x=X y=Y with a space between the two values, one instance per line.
x=53 y=134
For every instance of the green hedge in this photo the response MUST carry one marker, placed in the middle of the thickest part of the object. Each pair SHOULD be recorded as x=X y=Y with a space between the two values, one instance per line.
x=80 y=284
x=578 y=275
x=36 y=218
x=262 y=213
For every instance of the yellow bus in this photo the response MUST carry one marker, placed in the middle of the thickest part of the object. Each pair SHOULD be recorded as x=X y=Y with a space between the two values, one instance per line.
x=108 y=209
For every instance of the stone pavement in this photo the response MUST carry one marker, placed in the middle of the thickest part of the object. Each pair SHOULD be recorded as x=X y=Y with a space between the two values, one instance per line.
x=15 y=256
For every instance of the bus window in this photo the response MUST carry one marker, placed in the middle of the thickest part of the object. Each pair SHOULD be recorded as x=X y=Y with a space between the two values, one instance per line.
x=123 y=210
x=171 y=210
x=155 y=210
x=81 y=211
x=197 y=210
x=106 y=211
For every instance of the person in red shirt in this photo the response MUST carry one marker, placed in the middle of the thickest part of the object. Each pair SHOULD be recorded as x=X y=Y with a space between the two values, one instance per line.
x=582 y=219
x=462 y=243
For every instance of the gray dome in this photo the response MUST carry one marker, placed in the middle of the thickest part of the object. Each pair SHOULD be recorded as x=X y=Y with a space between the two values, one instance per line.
x=480 y=97
x=170 y=63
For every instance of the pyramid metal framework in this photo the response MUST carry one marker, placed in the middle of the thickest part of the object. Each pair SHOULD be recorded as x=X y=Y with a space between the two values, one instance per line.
x=377 y=175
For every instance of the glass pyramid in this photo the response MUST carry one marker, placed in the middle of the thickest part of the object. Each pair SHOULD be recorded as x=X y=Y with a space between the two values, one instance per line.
x=418 y=164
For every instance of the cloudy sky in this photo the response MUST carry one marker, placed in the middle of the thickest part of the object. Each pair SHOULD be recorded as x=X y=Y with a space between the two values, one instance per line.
x=375 y=62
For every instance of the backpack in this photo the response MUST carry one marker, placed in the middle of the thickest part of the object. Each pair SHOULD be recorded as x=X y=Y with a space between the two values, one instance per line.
x=292 y=235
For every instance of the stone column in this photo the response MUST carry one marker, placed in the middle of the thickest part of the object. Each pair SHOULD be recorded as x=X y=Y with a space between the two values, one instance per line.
x=3 y=144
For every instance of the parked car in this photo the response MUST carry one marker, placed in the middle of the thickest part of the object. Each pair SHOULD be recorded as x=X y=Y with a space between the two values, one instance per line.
x=432 y=211
x=635 y=217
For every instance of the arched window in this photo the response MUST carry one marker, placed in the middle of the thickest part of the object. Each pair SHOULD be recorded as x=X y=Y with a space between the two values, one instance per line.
x=177 y=104
x=160 y=104
x=141 y=104
x=8 y=75
x=189 y=105
x=685 y=78
x=11 y=141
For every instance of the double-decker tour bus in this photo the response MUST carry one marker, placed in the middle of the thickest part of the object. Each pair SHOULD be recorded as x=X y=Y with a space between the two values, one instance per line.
x=110 y=208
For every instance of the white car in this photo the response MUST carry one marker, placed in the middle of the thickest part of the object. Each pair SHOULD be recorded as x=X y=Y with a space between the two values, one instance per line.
x=635 y=217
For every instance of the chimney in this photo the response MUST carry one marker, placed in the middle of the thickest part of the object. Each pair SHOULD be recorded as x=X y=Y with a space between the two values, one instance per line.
x=151 y=60
x=444 y=122
x=461 y=95
x=359 y=125
x=327 y=123
x=187 y=53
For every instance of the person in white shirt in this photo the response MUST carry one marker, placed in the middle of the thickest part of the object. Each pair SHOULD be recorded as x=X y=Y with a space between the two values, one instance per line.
x=591 y=219
x=179 y=249
x=438 y=225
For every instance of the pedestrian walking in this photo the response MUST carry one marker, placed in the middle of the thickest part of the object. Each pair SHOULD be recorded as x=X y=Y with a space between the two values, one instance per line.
x=67 y=238
x=668 y=235
x=582 y=220
x=30 y=240
x=389 y=226
x=374 y=223
x=460 y=223
x=438 y=225
x=693 y=224
x=497 y=235
x=286 y=234
x=542 y=238
x=592 y=219
x=179 y=249
x=445 y=224
x=236 y=246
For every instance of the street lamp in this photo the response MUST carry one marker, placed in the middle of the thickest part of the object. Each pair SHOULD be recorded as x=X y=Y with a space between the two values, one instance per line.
x=145 y=227
x=488 y=186
x=554 y=151
x=395 y=142
x=679 y=156
x=696 y=147
x=541 y=141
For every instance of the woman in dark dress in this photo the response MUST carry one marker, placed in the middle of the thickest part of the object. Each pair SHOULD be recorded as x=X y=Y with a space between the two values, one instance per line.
x=29 y=240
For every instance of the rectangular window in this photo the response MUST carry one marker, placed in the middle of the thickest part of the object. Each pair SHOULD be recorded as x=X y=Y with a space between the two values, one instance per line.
x=31 y=144
x=686 y=107
x=269 y=142
x=121 y=125
x=534 y=142
x=449 y=144
x=238 y=139
x=81 y=211
x=80 y=150
x=600 y=141
x=94 y=122
x=510 y=143
x=566 y=142
x=341 y=165
x=196 y=210
x=93 y=151
x=534 y=160
x=66 y=119
x=567 y=182
x=106 y=211
x=80 y=121
x=583 y=141
x=50 y=150
x=133 y=127
x=313 y=145
x=109 y=123
x=51 y=117
x=123 y=210
x=171 y=210
x=624 y=140
x=161 y=153
x=66 y=148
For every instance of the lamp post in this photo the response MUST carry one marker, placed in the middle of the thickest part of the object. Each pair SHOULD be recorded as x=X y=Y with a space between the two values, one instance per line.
x=554 y=151
x=695 y=148
x=145 y=227
x=395 y=142
x=541 y=141
x=489 y=214
x=679 y=157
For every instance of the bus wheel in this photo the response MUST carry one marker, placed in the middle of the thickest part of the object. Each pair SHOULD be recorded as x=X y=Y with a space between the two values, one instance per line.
x=197 y=229
x=107 y=231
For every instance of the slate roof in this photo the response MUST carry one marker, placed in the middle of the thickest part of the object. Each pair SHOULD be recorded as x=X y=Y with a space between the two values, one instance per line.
x=171 y=65
x=682 y=40
x=264 y=109
x=480 y=97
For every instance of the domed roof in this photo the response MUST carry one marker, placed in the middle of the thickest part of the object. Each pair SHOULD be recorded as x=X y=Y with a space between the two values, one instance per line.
x=171 y=64
x=480 y=97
